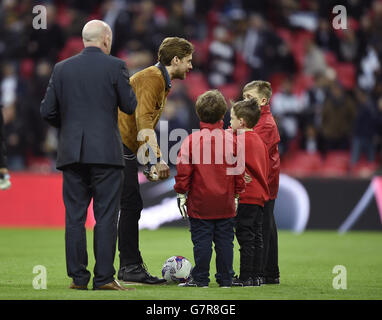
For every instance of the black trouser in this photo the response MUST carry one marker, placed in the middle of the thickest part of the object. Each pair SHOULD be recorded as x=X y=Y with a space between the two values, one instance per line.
x=203 y=233
x=131 y=207
x=271 y=266
x=248 y=227
x=81 y=183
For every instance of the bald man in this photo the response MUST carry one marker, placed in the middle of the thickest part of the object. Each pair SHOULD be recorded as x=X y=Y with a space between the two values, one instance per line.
x=82 y=100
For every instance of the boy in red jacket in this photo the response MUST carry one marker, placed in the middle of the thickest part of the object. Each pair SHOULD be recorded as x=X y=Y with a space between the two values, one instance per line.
x=266 y=128
x=204 y=171
x=244 y=116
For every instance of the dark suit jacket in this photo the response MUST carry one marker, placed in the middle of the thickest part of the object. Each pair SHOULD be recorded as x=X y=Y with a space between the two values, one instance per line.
x=82 y=100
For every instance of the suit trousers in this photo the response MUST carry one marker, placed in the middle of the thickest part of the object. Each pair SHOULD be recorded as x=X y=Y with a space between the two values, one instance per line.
x=81 y=183
x=203 y=233
x=249 y=228
x=131 y=207
x=271 y=266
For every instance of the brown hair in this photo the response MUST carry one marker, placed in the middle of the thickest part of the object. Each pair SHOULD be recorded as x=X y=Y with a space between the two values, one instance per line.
x=248 y=110
x=264 y=88
x=211 y=106
x=174 y=47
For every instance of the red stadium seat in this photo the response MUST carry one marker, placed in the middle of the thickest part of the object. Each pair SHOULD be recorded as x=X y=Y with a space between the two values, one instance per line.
x=301 y=83
x=196 y=84
x=72 y=47
x=276 y=80
x=330 y=59
x=346 y=73
x=63 y=16
x=301 y=164
x=200 y=54
x=336 y=163
x=241 y=72
x=27 y=66
x=230 y=91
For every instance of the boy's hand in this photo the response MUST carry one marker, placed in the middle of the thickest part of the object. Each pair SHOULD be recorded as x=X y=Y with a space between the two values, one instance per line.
x=182 y=199
x=236 y=201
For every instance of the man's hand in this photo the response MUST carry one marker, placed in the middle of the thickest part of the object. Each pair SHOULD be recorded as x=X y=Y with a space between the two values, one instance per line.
x=150 y=174
x=161 y=169
x=182 y=200
x=5 y=182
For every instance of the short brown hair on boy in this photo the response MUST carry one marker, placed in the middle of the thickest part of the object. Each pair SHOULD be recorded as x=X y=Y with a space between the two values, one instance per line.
x=211 y=106
x=248 y=110
x=174 y=47
x=264 y=88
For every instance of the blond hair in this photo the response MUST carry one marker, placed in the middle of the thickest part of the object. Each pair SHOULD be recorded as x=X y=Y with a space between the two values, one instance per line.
x=264 y=88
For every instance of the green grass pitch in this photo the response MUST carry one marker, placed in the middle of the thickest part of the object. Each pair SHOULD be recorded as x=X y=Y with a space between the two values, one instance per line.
x=306 y=265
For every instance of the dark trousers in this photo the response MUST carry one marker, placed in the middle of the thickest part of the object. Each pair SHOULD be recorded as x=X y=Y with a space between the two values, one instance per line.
x=271 y=265
x=203 y=233
x=248 y=227
x=81 y=183
x=131 y=207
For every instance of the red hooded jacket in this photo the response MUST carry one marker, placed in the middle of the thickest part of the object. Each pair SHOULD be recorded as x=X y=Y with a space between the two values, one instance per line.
x=266 y=128
x=204 y=160
x=257 y=167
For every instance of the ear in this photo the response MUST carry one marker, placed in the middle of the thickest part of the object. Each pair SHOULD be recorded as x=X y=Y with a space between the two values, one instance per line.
x=242 y=122
x=175 y=60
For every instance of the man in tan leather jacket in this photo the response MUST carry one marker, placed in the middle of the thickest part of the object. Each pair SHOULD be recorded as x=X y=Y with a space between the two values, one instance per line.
x=151 y=87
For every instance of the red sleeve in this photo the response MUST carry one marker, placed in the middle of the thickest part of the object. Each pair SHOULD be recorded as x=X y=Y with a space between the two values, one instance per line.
x=184 y=167
x=268 y=134
x=239 y=178
x=239 y=183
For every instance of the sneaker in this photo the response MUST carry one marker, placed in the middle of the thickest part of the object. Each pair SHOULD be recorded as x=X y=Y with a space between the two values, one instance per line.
x=237 y=282
x=138 y=274
x=192 y=283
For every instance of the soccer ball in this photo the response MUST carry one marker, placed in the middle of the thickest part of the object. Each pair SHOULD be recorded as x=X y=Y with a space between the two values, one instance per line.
x=176 y=269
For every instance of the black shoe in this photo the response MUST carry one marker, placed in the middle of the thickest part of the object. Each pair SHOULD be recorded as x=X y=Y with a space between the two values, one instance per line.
x=237 y=282
x=192 y=283
x=271 y=280
x=138 y=274
x=257 y=281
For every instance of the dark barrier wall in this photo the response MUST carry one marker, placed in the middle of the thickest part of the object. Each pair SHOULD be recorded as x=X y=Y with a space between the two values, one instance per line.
x=36 y=200
x=332 y=200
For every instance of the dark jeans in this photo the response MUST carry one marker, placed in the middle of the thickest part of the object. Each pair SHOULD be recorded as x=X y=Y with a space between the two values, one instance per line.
x=81 y=183
x=249 y=225
x=203 y=233
x=131 y=207
x=271 y=266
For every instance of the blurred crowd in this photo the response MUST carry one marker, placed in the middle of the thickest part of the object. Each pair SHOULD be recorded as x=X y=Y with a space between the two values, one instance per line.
x=327 y=88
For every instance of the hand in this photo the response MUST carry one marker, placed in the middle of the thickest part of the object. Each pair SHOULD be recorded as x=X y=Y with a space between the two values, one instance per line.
x=236 y=201
x=150 y=174
x=247 y=178
x=182 y=200
x=161 y=169
x=5 y=182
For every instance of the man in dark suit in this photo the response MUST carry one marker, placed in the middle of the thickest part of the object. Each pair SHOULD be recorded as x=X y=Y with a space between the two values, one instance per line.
x=82 y=100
